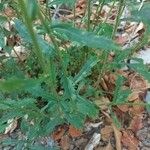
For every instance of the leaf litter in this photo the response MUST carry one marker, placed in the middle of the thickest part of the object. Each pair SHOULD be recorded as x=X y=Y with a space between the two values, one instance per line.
x=101 y=134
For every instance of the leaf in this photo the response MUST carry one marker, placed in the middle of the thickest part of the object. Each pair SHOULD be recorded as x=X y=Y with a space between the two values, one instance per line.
x=74 y=132
x=86 y=107
x=66 y=2
x=50 y=126
x=143 y=14
x=65 y=142
x=23 y=32
x=141 y=69
x=129 y=141
x=118 y=135
x=77 y=120
x=68 y=86
x=15 y=84
x=85 y=38
x=3 y=19
x=115 y=120
x=91 y=62
x=136 y=123
x=32 y=6
x=58 y=134
x=120 y=95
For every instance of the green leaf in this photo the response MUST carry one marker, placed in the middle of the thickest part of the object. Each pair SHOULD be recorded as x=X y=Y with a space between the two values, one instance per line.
x=3 y=20
x=85 y=38
x=91 y=62
x=50 y=126
x=142 y=14
x=10 y=115
x=66 y=2
x=32 y=6
x=68 y=88
x=15 y=84
x=77 y=120
x=115 y=120
x=86 y=107
x=23 y=32
x=120 y=95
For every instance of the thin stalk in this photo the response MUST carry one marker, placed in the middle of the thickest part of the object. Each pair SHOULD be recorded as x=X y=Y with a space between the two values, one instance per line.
x=37 y=50
x=98 y=30
x=88 y=14
x=99 y=9
x=120 y=10
x=74 y=15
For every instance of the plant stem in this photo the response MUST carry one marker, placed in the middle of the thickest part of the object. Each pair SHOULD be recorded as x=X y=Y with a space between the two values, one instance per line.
x=88 y=14
x=28 y=22
x=98 y=10
x=120 y=10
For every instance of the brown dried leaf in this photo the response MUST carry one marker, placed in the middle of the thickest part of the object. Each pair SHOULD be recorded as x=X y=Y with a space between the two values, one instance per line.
x=123 y=108
x=118 y=136
x=65 y=143
x=122 y=39
x=136 y=123
x=12 y=125
x=106 y=132
x=133 y=96
x=137 y=109
x=108 y=147
x=58 y=134
x=129 y=141
x=74 y=132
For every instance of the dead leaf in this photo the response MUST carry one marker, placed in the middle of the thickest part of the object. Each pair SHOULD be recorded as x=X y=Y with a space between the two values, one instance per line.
x=129 y=140
x=106 y=132
x=108 y=147
x=12 y=125
x=133 y=96
x=137 y=109
x=137 y=83
x=58 y=134
x=102 y=102
x=65 y=142
x=118 y=136
x=122 y=39
x=123 y=108
x=74 y=132
x=136 y=123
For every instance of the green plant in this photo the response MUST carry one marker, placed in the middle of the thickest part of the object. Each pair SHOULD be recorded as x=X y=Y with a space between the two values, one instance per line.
x=55 y=82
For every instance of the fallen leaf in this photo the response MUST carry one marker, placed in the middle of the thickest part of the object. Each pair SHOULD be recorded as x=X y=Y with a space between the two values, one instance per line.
x=137 y=109
x=58 y=134
x=133 y=96
x=137 y=83
x=129 y=140
x=122 y=39
x=74 y=132
x=65 y=142
x=136 y=123
x=118 y=136
x=123 y=108
x=12 y=125
x=106 y=132
x=108 y=147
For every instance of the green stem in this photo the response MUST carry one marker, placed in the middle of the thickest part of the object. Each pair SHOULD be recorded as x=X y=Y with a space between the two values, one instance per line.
x=120 y=10
x=99 y=27
x=88 y=14
x=98 y=10
x=37 y=50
